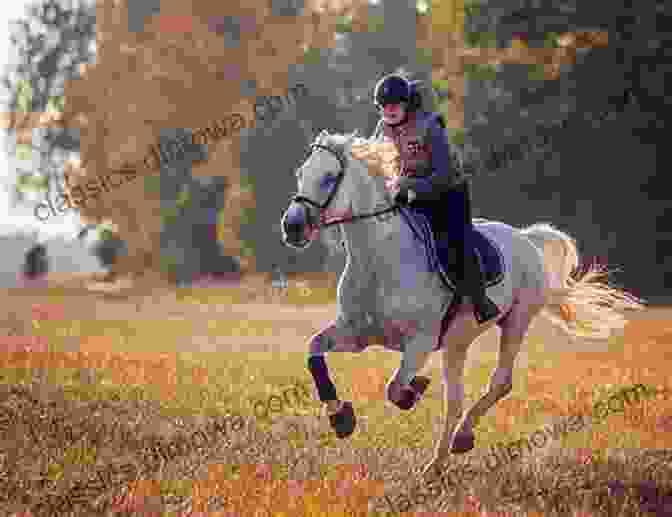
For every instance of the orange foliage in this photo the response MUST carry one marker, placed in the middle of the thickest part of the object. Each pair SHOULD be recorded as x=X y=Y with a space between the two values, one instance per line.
x=121 y=115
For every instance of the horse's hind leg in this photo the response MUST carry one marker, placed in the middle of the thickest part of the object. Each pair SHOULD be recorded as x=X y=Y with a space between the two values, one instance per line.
x=514 y=328
x=459 y=336
x=341 y=413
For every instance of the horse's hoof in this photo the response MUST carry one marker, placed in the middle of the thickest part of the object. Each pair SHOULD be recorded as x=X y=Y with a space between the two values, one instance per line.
x=462 y=443
x=407 y=400
x=344 y=420
x=409 y=397
x=420 y=385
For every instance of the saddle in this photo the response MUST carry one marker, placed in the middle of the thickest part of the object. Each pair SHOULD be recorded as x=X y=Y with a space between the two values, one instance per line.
x=443 y=259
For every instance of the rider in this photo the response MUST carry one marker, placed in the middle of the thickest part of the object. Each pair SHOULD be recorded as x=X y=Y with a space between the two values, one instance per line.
x=430 y=181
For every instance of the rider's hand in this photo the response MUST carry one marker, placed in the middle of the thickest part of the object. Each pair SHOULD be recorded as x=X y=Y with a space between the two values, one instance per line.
x=401 y=197
x=403 y=193
x=392 y=184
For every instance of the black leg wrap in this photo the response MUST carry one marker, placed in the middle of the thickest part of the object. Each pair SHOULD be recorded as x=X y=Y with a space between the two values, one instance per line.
x=344 y=421
x=407 y=400
x=318 y=369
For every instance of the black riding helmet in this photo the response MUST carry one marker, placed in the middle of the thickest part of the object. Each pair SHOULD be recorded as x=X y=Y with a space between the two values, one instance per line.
x=395 y=89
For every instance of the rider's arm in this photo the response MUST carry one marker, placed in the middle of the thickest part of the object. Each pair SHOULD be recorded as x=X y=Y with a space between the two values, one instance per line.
x=445 y=174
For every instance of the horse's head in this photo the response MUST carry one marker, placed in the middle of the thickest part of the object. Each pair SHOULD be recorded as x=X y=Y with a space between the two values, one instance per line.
x=326 y=182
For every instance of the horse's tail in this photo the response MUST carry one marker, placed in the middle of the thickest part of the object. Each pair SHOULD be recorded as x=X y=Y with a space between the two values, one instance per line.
x=577 y=302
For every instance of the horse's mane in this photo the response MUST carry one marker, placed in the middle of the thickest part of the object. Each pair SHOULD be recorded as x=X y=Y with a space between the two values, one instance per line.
x=380 y=158
x=376 y=158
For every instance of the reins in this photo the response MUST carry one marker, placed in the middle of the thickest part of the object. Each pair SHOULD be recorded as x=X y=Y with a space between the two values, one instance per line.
x=324 y=206
x=392 y=208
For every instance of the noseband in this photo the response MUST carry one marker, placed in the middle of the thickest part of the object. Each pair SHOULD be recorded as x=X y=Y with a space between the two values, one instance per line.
x=341 y=174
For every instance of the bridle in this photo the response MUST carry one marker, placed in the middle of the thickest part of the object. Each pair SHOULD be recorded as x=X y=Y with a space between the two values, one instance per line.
x=341 y=174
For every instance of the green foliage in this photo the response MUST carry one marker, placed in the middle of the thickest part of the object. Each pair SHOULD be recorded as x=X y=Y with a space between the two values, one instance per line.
x=551 y=40
x=105 y=231
x=168 y=264
x=184 y=197
x=344 y=24
x=80 y=455
x=177 y=487
x=424 y=56
x=32 y=183
x=247 y=249
x=24 y=151
x=54 y=471
x=24 y=96
x=472 y=8
x=105 y=234
x=153 y=184
x=440 y=84
x=536 y=72
x=376 y=23
x=457 y=136
x=247 y=183
x=480 y=39
x=443 y=108
x=479 y=72
x=312 y=56
x=248 y=215
x=422 y=7
x=170 y=214
x=56 y=104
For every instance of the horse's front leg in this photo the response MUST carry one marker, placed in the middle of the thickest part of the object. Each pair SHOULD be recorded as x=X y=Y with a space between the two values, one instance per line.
x=334 y=338
x=405 y=388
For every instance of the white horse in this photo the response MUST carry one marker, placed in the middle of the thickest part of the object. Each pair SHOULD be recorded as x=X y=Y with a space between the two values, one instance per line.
x=388 y=290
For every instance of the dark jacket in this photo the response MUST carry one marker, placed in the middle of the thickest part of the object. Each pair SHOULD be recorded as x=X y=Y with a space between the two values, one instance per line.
x=427 y=165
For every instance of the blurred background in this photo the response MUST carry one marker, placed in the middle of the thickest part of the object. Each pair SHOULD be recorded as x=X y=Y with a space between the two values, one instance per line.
x=557 y=108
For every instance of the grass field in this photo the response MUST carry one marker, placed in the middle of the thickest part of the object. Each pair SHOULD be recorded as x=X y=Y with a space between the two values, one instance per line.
x=120 y=368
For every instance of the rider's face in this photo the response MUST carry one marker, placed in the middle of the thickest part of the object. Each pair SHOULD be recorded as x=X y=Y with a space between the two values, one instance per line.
x=394 y=113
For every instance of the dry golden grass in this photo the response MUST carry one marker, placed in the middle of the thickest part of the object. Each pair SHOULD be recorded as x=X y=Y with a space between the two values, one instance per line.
x=149 y=377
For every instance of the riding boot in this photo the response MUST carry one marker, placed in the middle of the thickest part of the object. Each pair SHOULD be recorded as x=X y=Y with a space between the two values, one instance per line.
x=474 y=287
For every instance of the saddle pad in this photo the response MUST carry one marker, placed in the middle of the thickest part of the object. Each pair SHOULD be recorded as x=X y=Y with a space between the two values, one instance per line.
x=492 y=262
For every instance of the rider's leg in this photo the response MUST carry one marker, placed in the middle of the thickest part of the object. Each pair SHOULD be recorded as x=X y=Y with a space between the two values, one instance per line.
x=472 y=277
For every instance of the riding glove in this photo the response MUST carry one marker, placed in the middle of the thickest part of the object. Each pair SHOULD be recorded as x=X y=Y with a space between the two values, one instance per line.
x=406 y=194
